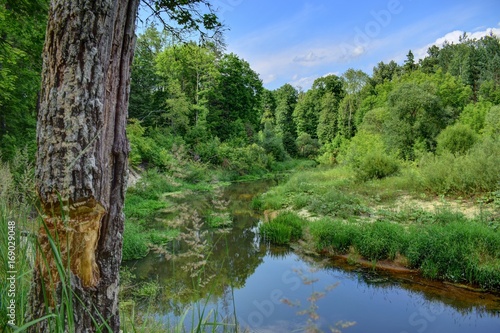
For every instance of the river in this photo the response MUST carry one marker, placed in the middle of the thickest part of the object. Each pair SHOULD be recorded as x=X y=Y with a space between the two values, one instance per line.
x=231 y=275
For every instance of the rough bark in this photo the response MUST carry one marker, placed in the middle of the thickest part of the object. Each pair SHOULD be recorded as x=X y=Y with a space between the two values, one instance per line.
x=82 y=157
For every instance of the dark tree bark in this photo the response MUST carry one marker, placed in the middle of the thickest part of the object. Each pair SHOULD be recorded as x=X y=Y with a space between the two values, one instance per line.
x=82 y=157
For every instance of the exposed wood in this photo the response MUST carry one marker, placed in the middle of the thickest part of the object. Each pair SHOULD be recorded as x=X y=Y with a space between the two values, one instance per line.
x=82 y=154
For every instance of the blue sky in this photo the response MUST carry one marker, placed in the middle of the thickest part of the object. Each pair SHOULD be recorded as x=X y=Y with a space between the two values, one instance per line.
x=297 y=41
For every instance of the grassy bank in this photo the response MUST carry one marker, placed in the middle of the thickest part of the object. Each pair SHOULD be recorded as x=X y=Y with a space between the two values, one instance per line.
x=394 y=219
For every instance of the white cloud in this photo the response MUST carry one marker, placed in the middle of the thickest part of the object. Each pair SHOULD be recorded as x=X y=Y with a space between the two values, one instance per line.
x=306 y=82
x=311 y=57
x=454 y=37
x=303 y=83
x=268 y=78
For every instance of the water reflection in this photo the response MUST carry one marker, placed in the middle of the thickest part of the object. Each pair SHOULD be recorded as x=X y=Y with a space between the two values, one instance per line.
x=240 y=279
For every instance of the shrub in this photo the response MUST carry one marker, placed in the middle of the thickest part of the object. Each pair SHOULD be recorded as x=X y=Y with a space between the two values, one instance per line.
x=376 y=165
x=144 y=149
x=272 y=144
x=244 y=160
x=492 y=123
x=366 y=155
x=456 y=139
x=474 y=115
x=307 y=146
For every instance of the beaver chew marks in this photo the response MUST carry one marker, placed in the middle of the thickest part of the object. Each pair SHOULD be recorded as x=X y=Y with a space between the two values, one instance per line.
x=75 y=231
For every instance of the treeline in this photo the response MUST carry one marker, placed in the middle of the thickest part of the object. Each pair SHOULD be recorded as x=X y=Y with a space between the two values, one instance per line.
x=194 y=102
x=193 y=107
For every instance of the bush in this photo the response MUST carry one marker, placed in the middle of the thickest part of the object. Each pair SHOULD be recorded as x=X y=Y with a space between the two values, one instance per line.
x=250 y=159
x=144 y=149
x=474 y=115
x=307 y=146
x=376 y=165
x=456 y=139
x=366 y=155
x=272 y=144
x=492 y=123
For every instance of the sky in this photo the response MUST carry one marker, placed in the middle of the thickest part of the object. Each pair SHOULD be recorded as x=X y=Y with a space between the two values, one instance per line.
x=297 y=41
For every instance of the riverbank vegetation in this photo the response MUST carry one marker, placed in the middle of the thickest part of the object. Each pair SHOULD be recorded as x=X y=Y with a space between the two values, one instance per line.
x=442 y=238
x=370 y=153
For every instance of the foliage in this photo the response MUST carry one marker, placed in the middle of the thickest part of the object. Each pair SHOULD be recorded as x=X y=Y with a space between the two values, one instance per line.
x=376 y=165
x=367 y=156
x=492 y=123
x=474 y=172
x=250 y=159
x=455 y=249
x=235 y=99
x=144 y=204
x=456 y=139
x=474 y=115
x=22 y=32
x=417 y=118
x=335 y=203
x=144 y=149
x=306 y=145
x=272 y=143
x=135 y=241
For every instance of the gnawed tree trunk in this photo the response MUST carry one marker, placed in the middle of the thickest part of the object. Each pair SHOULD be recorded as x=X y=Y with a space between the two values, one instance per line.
x=82 y=156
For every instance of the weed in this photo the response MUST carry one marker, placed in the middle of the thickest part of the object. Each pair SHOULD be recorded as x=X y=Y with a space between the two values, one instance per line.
x=285 y=228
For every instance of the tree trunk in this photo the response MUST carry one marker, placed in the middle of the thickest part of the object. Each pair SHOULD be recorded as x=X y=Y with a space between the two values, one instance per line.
x=82 y=160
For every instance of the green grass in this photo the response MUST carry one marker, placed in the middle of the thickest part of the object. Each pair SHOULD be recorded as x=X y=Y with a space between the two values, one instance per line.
x=442 y=246
x=285 y=228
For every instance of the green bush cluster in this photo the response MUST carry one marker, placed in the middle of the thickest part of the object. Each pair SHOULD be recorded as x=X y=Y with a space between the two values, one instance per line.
x=285 y=228
x=376 y=165
x=456 y=139
x=145 y=149
x=367 y=156
x=251 y=159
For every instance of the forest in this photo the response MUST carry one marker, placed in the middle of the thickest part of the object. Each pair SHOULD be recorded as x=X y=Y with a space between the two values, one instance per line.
x=200 y=118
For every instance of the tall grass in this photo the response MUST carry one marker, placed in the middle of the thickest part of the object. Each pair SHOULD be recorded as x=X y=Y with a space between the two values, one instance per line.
x=442 y=246
x=282 y=230
x=478 y=171
x=16 y=194
x=15 y=205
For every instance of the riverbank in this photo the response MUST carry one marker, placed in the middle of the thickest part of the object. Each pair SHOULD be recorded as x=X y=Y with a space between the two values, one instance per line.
x=156 y=201
x=389 y=223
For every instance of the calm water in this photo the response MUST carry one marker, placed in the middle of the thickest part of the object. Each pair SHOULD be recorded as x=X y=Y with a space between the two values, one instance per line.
x=270 y=289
